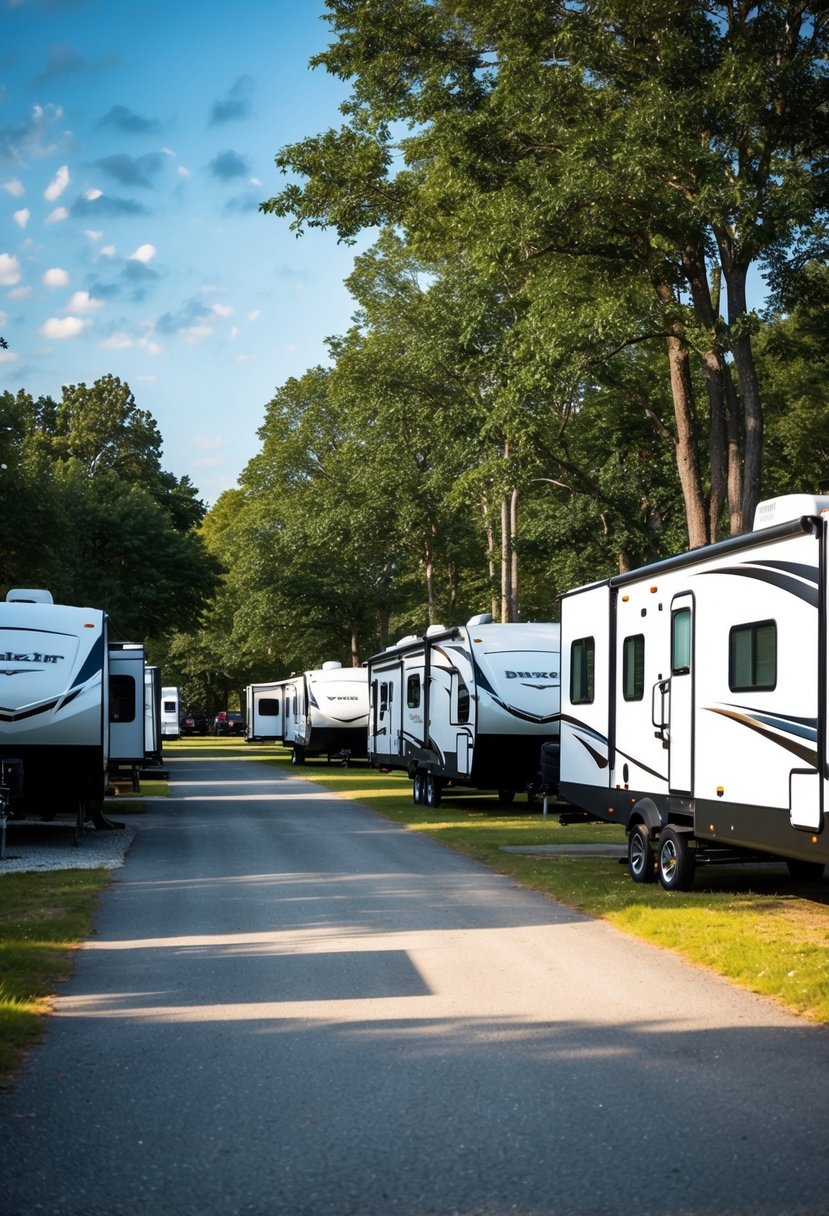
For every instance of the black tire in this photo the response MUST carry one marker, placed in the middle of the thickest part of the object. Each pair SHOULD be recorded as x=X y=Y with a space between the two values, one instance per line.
x=549 y=763
x=298 y=755
x=676 y=861
x=805 y=871
x=432 y=792
x=506 y=797
x=641 y=861
x=417 y=788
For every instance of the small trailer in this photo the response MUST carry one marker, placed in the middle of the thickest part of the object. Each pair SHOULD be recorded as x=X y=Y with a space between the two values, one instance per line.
x=325 y=713
x=471 y=705
x=170 y=713
x=263 y=711
x=695 y=700
x=58 y=674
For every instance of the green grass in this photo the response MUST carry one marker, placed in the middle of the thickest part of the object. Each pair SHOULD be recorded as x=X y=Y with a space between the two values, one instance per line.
x=43 y=917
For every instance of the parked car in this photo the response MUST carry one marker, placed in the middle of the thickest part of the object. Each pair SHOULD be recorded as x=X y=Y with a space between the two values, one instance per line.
x=194 y=724
x=228 y=722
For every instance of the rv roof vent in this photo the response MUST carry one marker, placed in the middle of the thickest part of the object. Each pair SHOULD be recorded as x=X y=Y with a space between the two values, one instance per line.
x=331 y=665
x=406 y=641
x=28 y=595
x=483 y=618
x=789 y=506
x=435 y=629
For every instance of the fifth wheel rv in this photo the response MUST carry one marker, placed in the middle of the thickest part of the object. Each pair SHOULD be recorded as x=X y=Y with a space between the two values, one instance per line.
x=471 y=705
x=55 y=730
x=695 y=695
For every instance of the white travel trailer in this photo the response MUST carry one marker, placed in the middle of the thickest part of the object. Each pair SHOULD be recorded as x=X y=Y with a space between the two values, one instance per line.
x=695 y=700
x=170 y=713
x=56 y=668
x=471 y=705
x=263 y=711
x=325 y=712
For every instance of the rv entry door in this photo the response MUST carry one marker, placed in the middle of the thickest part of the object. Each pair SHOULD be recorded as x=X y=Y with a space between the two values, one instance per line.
x=681 y=711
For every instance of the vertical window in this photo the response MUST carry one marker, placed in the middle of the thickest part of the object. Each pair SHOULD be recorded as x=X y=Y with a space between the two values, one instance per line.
x=582 y=671
x=463 y=701
x=413 y=691
x=681 y=642
x=633 y=668
x=752 y=657
x=384 y=697
x=269 y=706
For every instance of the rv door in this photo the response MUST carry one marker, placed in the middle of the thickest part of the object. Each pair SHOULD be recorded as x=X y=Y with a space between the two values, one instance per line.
x=681 y=699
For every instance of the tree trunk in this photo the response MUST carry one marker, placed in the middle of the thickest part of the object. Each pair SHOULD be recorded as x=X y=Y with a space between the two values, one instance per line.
x=355 y=644
x=429 y=564
x=687 y=456
x=506 y=568
x=513 y=538
x=735 y=278
x=490 y=558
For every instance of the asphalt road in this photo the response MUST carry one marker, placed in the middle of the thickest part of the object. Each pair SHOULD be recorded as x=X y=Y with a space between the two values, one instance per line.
x=292 y=1008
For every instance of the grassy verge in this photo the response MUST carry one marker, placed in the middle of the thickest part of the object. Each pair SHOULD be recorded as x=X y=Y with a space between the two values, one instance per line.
x=42 y=919
x=752 y=925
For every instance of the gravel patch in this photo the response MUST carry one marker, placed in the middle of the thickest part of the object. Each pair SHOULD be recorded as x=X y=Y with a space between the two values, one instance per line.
x=51 y=846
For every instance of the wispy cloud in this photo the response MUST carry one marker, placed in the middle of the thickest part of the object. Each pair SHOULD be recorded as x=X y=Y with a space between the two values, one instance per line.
x=229 y=165
x=124 y=119
x=236 y=104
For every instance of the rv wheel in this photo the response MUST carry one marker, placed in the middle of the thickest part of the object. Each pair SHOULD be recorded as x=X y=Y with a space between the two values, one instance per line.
x=432 y=791
x=417 y=788
x=298 y=755
x=507 y=797
x=676 y=861
x=641 y=866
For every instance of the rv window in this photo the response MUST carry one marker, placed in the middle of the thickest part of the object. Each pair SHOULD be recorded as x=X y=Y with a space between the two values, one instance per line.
x=269 y=706
x=681 y=642
x=582 y=671
x=169 y=707
x=413 y=691
x=752 y=657
x=633 y=668
x=384 y=697
x=121 y=699
x=463 y=701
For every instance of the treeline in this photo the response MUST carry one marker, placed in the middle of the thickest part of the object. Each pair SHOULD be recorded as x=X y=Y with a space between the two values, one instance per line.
x=87 y=511
x=555 y=368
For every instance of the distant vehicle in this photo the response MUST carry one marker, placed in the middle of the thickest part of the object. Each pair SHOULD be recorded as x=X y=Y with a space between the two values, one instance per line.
x=194 y=724
x=228 y=722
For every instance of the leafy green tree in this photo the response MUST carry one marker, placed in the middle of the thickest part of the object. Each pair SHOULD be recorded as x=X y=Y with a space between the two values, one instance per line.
x=669 y=143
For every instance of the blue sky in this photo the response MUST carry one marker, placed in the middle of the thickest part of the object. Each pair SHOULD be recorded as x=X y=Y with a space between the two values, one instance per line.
x=136 y=143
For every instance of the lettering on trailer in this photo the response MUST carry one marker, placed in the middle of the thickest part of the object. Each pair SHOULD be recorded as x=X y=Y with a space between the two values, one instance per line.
x=531 y=675
x=9 y=656
x=333 y=698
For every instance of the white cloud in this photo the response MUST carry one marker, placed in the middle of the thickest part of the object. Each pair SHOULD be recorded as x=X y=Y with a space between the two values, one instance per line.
x=56 y=277
x=183 y=171
x=91 y=194
x=255 y=315
x=22 y=217
x=14 y=187
x=222 y=310
x=57 y=185
x=60 y=328
x=8 y=356
x=124 y=341
x=196 y=333
x=107 y=251
x=55 y=217
x=83 y=302
x=94 y=234
x=243 y=358
x=234 y=332
x=9 y=270
x=19 y=293
x=144 y=253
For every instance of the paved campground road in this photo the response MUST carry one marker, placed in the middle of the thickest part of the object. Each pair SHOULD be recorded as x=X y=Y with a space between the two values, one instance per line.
x=291 y=1007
